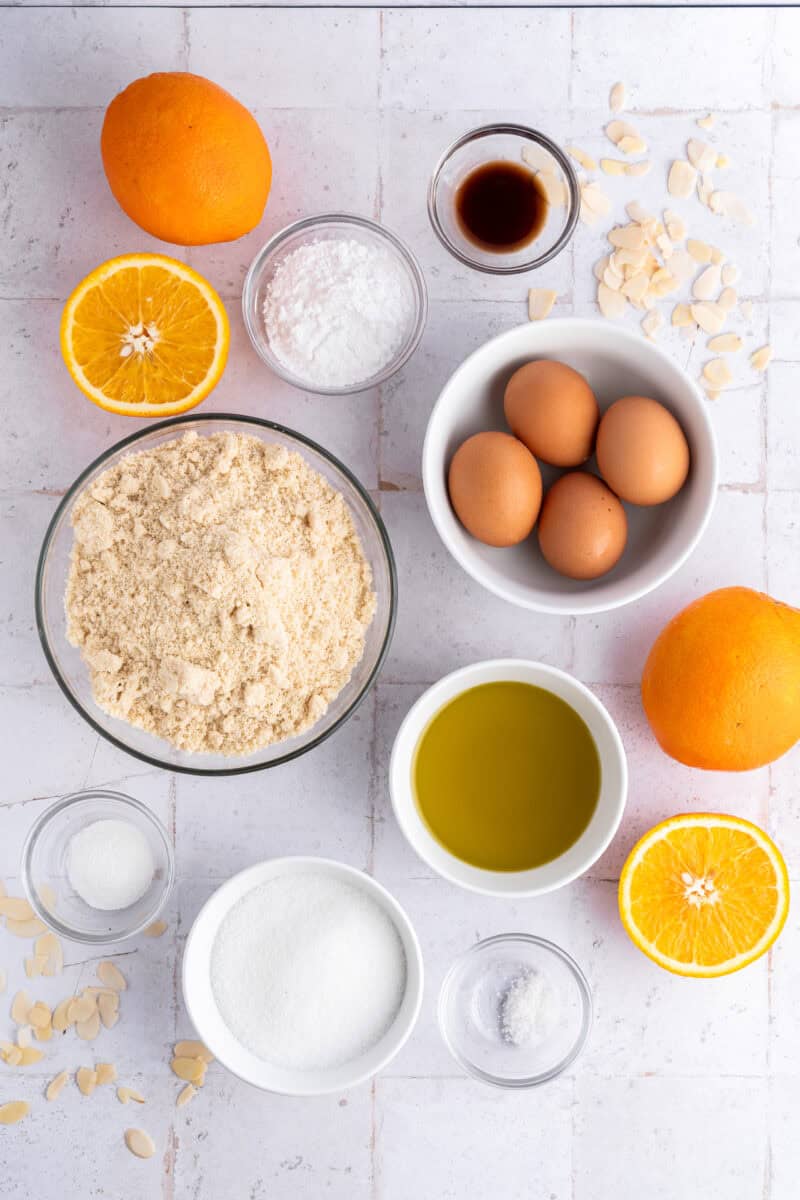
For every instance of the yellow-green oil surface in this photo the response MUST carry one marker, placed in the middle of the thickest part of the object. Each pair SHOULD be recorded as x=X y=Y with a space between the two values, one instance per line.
x=506 y=776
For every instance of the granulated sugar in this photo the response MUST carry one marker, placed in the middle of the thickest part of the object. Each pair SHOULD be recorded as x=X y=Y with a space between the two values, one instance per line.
x=336 y=312
x=308 y=972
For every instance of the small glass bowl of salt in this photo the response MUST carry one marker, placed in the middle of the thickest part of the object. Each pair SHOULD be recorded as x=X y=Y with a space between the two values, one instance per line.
x=515 y=1010
x=335 y=304
x=97 y=867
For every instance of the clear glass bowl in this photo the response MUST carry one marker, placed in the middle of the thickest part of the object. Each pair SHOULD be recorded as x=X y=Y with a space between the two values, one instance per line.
x=314 y=229
x=44 y=868
x=71 y=672
x=470 y=1009
x=503 y=143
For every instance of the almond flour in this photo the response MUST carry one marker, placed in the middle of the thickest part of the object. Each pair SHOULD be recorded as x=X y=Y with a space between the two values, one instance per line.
x=218 y=592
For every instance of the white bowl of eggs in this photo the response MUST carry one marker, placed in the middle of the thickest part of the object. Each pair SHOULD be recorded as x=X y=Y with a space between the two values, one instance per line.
x=570 y=466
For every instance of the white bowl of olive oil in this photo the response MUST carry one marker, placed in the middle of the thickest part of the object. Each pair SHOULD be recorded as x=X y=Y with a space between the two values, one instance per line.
x=508 y=777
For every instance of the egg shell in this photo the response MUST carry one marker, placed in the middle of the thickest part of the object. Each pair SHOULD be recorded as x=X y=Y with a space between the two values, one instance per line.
x=642 y=451
x=583 y=527
x=495 y=488
x=551 y=408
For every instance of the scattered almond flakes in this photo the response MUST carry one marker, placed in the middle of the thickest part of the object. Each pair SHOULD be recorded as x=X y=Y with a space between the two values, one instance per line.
x=24 y=1036
x=632 y=144
x=193 y=1049
x=707 y=284
x=727 y=299
x=638 y=168
x=595 y=199
x=717 y=373
x=554 y=188
x=56 y=1086
x=681 y=180
x=20 y=1007
x=185 y=1095
x=717 y=256
x=709 y=316
x=49 y=947
x=760 y=359
x=109 y=1006
x=156 y=929
x=617 y=130
x=728 y=204
x=616 y=100
x=15 y=908
x=61 y=1021
x=86 y=1080
x=81 y=1008
x=706 y=122
x=140 y=1143
x=540 y=303
x=25 y=929
x=109 y=974
x=675 y=225
x=39 y=1015
x=106 y=1073
x=14 y=1111
x=700 y=155
x=612 y=304
x=30 y=1055
x=34 y=965
x=10 y=1054
x=652 y=322
x=192 y=1070
x=44 y=1033
x=127 y=1094
x=725 y=343
x=681 y=316
x=700 y=251
x=730 y=273
x=88 y=1029
x=613 y=166
x=580 y=156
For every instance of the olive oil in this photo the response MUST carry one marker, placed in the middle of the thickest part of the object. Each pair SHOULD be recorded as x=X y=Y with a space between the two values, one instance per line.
x=506 y=776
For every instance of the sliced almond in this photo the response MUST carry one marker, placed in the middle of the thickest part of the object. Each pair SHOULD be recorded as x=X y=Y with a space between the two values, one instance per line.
x=612 y=280
x=628 y=237
x=30 y=1055
x=709 y=316
x=140 y=1143
x=652 y=322
x=727 y=299
x=706 y=122
x=193 y=1049
x=16 y=909
x=613 y=166
x=601 y=266
x=632 y=145
x=674 y=225
x=596 y=199
x=717 y=373
x=730 y=274
x=717 y=256
x=88 y=1029
x=637 y=212
x=616 y=99
x=554 y=188
x=49 y=947
x=20 y=1007
x=707 y=284
x=86 y=1080
x=681 y=316
x=700 y=155
x=14 y=1111
x=682 y=265
x=725 y=343
x=61 y=1021
x=44 y=1033
x=127 y=1094
x=25 y=929
x=617 y=130
x=34 y=965
x=156 y=929
x=81 y=1008
x=728 y=204
x=109 y=1013
x=25 y=1036
x=540 y=303
x=681 y=180
x=10 y=1054
x=700 y=251
x=635 y=288
x=106 y=1073
x=192 y=1070
x=537 y=157
x=39 y=1015
x=760 y=359
x=56 y=1086
x=185 y=1095
x=638 y=168
x=612 y=304
x=705 y=188
x=580 y=156
x=110 y=975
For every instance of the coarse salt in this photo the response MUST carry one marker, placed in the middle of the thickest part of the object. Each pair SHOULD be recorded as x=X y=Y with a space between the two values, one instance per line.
x=336 y=312
x=526 y=1009
x=307 y=971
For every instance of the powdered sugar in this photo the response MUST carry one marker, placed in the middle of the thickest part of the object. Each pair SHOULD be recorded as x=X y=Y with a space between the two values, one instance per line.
x=308 y=972
x=337 y=311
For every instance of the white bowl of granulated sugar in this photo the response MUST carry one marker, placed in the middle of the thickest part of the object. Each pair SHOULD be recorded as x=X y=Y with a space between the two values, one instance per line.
x=303 y=976
x=335 y=304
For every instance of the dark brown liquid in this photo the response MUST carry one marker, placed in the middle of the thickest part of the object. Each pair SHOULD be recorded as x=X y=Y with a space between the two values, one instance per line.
x=501 y=206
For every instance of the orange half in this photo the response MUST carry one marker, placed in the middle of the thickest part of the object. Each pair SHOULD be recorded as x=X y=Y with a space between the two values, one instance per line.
x=704 y=894
x=145 y=335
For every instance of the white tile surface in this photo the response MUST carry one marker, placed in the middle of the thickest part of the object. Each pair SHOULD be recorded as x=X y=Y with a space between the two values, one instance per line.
x=686 y=1089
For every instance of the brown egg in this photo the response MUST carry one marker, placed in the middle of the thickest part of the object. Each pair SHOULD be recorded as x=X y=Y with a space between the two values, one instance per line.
x=583 y=528
x=496 y=488
x=552 y=409
x=642 y=452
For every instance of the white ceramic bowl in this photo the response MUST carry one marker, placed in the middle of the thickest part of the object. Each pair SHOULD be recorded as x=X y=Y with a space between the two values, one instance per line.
x=211 y=1028
x=613 y=782
x=616 y=363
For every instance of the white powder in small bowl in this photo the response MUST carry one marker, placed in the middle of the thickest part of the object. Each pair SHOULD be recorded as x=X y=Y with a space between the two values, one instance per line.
x=110 y=864
x=308 y=972
x=337 y=311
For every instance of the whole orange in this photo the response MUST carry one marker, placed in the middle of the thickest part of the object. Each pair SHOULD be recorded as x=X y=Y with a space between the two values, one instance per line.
x=185 y=160
x=721 y=685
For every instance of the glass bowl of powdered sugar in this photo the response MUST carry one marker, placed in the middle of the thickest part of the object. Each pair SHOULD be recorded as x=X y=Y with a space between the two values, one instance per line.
x=335 y=304
x=515 y=1010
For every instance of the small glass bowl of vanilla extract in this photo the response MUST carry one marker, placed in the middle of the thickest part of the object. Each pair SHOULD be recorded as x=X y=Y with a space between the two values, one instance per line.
x=504 y=199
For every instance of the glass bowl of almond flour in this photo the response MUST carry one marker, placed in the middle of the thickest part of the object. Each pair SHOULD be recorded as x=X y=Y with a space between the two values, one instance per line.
x=216 y=594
